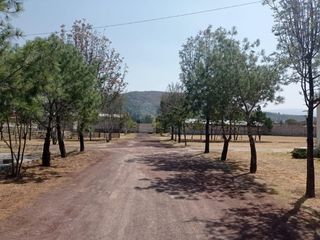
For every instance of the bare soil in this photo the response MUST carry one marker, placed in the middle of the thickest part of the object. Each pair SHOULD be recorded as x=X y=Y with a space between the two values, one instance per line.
x=146 y=189
x=276 y=167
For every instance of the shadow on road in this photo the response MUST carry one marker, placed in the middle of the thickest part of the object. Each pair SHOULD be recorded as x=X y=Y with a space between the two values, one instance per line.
x=261 y=221
x=193 y=177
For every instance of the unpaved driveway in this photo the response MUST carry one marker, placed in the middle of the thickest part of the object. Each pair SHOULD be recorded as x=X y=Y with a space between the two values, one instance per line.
x=144 y=190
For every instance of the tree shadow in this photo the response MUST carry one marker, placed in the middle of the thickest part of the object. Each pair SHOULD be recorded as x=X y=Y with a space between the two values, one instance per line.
x=194 y=176
x=155 y=143
x=262 y=221
x=39 y=175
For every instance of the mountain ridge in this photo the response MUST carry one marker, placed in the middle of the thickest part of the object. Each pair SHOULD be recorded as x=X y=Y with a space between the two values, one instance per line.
x=141 y=104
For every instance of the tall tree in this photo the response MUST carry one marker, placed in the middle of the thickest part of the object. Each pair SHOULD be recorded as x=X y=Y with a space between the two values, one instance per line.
x=297 y=27
x=62 y=75
x=226 y=73
x=174 y=109
x=98 y=52
x=257 y=84
x=17 y=102
x=200 y=62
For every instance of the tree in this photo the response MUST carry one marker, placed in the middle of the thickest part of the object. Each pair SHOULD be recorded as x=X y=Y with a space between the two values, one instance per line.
x=257 y=84
x=259 y=119
x=201 y=72
x=174 y=109
x=226 y=73
x=291 y=121
x=87 y=107
x=98 y=53
x=17 y=102
x=297 y=27
x=62 y=75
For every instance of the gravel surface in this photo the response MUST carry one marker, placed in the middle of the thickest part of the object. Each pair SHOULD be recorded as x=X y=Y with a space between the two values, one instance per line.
x=143 y=189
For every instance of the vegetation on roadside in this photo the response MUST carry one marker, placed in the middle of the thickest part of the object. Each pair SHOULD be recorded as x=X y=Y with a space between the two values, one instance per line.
x=54 y=82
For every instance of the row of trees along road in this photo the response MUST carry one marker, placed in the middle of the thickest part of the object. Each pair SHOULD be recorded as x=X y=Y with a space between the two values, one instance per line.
x=244 y=79
x=54 y=81
x=227 y=80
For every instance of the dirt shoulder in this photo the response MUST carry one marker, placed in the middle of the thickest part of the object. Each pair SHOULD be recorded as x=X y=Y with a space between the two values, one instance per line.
x=16 y=194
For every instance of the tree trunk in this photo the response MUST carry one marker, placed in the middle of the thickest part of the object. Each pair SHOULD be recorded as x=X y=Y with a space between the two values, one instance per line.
x=46 y=156
x=185 y=135
x=62 y=147
x=10 y=146
x=90 y=136
x=179 y=134
x=310 y=187
x=226 y=141
x=1 y=131
x=207 y=142
x=172 y=133
x=81 y=140
x=30 y=131
x=253 y=160
x=54 y=137
x=81 y=136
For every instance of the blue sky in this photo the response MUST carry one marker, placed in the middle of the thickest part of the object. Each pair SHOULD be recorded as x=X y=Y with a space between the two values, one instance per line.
x=151 y=50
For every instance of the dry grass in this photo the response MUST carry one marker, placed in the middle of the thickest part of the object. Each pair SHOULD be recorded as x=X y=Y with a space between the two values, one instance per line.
x=276 y=167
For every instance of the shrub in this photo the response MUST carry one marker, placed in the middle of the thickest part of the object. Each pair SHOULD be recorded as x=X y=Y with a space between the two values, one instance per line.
x=301 y=153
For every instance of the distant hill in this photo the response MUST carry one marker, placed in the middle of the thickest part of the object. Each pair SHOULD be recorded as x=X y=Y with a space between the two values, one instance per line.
x=278 y=117
x=142 y=104
x=147 y=103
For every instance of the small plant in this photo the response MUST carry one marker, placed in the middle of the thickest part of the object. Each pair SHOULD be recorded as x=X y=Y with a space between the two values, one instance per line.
x=301 y=153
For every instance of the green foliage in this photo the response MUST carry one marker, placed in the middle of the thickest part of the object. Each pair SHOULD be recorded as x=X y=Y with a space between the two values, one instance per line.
x=291 y=121
x=127 y=122
x=259 y=117
x=301 y=153
x=199 y=71
x=8 y=8
x=173 y=107
x=66 y=82
x=258 y=81
x=17 y=101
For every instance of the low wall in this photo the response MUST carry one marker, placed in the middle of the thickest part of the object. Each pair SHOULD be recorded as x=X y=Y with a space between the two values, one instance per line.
x=290 y=130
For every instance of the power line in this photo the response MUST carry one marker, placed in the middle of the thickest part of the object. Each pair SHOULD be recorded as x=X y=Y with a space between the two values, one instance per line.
x=159 y=18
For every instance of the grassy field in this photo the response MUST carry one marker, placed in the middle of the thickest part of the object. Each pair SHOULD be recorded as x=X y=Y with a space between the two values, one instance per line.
x=276 y=168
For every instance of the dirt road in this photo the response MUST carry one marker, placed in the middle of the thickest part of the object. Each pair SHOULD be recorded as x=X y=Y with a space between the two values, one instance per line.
x=143 y=189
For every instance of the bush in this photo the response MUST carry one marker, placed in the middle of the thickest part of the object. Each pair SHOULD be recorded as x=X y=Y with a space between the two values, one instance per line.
x=301 y=153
